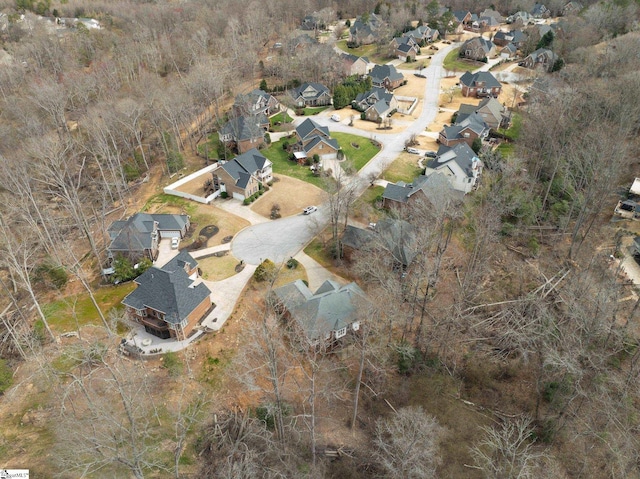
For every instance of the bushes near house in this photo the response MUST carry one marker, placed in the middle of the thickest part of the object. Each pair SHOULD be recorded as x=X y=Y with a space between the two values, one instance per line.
x=346 y=92
x=265 y=271
x=124 y=270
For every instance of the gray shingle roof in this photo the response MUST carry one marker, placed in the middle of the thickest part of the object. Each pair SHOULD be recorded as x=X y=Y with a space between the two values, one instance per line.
x=245 y=127
x=380 y=72
x=306 y=129
x=134 y=233
x=331 y=308
x=318 y=90
x=243 y=166
x=461 y=153
x=168 y=290
x=321 y=139
x=472 y=79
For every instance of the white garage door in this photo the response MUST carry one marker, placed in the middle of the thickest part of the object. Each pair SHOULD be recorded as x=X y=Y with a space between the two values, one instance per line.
x=169 y=234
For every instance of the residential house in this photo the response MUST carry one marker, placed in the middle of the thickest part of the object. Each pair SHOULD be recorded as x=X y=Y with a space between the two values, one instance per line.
x=493 y=113
x=297 y=43
x=323 y=316
x=459 y=164
x=405 y=48
x=508 y=52
x=394 y=241
x=244 y=132
x=256 y=102
x=466 y=130
x=541 y=58
x=503 y=38
x=242 y=176
x=366 y=29
x=423 y=188
x=572 y=8
x=386 y=76
x=138 y=236
x=462 y=17
x=311 y=94
x=354 y=65
x=493 y=14
x=487 y=24
x=167 y=301
x=423 y=35
x=520 y=18
x=480 y=84
x=314 y=139
x=312 y=22
x=477 y=48
x=376 y=104
x=540 y=11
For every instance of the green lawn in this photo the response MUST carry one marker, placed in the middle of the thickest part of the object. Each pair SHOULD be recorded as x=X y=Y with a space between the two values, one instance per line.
x=370 y=194
x=310 y=111
x=359 y=156
x=506 y=149
x=455 y=64
x=318 y=252
x=282 y=117
x=404 y=168
x=60 y=313
x=514 y=130
x=282 y=165
x=369 y=51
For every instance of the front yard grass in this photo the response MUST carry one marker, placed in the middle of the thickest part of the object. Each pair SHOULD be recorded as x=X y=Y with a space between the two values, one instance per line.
x=310 y=111
x=218 y=268
x=280 y=121
x=370 y=51
x=63 y=313
x=404 y=168
x=283 y=166
x=454 y=63
x=359 y=156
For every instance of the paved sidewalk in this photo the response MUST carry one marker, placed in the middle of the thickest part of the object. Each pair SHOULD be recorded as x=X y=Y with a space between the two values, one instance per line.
x=236 y=207
x=207 y=251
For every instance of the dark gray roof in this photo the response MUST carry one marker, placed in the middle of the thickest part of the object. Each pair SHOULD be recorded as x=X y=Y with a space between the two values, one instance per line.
x=317 y=89
x=245 y=127
x=461 y=153
x=374 y=95
x=134 y=233
x=355 y=237
x=243 y=166
x=380 y=72
x=485 y=44
x=471 y=79
x=321 y=139
x=182 y=259
x=331 y=308
x=169 y=291
x=396 y=237
x=431 y=186
x=306 y=128
x=459 y=15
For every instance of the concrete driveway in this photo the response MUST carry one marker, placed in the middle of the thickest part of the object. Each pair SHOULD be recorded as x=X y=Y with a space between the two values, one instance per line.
x=165 y=253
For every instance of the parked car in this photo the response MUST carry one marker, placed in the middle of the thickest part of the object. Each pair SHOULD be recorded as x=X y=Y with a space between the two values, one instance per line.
x=372 y=226
x=309 y=209
x=430 y=154
x=413 y=151
x=175 y=242
x=335 y=117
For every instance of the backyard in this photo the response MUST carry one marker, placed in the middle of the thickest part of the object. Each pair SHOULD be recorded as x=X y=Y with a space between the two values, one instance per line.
x=454 y=63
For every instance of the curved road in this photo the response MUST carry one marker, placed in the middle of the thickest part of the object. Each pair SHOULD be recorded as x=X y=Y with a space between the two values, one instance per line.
x=281 y=239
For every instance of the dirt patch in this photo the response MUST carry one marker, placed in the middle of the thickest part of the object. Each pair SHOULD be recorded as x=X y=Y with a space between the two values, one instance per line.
x=414 y=87
x=196 y=186
x=291 y=194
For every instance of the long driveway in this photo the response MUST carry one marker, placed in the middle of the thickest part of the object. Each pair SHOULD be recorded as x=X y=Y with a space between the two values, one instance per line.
x=281 y=239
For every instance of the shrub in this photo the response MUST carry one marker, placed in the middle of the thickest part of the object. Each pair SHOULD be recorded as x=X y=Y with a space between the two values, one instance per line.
x=267 y=138
x=285 y=145
x=264 y=271
x=292 y=263
x=260 y=192
x=224 y=195
x=51 y=273
x=247 y=201
x=6 y=376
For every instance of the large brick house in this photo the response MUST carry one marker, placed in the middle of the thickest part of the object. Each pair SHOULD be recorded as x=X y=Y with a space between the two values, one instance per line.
x=386 y=76
x=167 y=300
x=480 y=84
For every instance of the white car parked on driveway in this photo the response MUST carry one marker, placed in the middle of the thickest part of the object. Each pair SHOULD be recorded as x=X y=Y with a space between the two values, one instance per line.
x=175 y=242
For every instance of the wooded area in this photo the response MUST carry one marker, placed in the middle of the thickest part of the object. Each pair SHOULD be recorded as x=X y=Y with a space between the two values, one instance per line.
x=511 y=350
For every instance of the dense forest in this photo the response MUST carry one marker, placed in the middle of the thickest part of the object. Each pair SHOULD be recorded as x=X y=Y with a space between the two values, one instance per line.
x=512 y=350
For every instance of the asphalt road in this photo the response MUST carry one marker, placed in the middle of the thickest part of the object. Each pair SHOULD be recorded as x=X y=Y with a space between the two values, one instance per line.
x=281 y=239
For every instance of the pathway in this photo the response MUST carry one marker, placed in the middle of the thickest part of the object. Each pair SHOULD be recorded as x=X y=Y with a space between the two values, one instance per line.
x=316 y=273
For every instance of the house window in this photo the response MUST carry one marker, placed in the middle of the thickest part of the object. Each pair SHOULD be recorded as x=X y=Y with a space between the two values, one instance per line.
x=341 y=332
x=143 y=313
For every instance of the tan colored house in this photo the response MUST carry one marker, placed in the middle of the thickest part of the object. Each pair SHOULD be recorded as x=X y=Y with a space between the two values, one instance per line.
x=354 y=65
x=314 y=139
x=167 y=302
x=242 y=176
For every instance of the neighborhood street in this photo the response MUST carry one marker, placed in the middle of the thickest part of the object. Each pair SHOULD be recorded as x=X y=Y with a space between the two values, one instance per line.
x=281 y=239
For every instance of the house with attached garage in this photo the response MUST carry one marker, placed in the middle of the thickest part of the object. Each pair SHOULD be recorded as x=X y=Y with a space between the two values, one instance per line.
x=542 y=58
x=170 y=301
x=354 y=65
x=466 y=130
x=366 y=29
x=459 y=164
x=311 y=94
x=256 y=102
x=314 y=139
x=376 y=104
x=492 y=112
x=242 y=176
x=323 y=316
x=386 y=76
x=480 y=84
x=138 y=237
x=478 y=49
x=422 y=188
x=244 y=132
